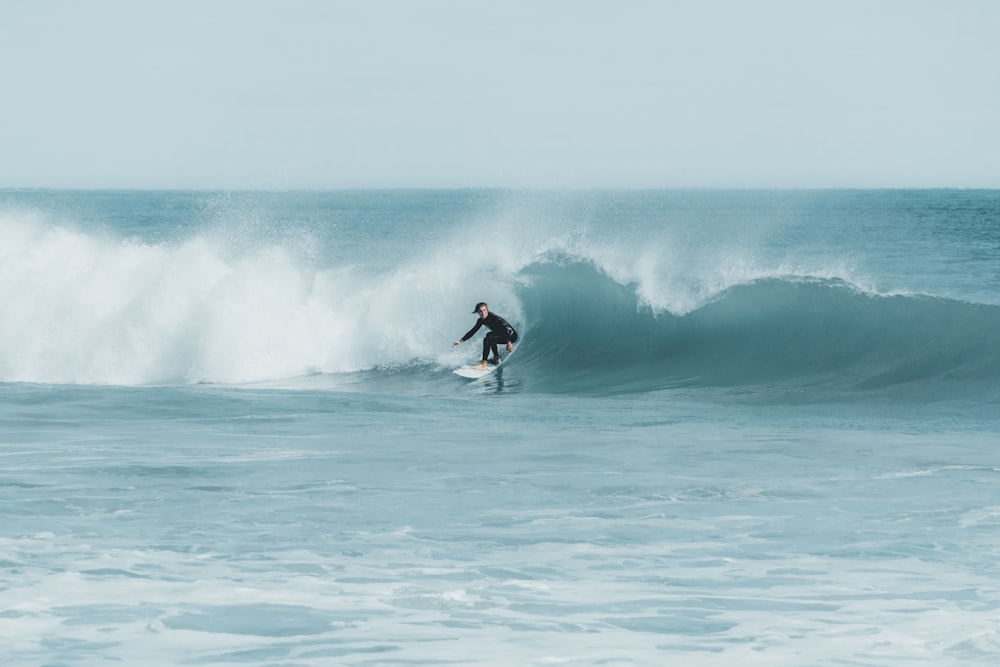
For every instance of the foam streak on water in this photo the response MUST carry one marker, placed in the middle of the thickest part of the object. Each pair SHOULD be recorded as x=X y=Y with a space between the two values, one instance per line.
x=299 y=537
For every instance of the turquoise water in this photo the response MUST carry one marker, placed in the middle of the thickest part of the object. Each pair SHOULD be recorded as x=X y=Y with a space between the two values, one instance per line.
x=742 y=426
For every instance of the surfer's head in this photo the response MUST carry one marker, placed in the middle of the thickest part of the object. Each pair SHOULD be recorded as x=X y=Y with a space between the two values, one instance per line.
x=481 y=309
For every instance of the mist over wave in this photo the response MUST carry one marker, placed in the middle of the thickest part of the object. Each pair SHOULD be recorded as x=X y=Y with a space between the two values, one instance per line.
x=82 y=308
x=597 y=314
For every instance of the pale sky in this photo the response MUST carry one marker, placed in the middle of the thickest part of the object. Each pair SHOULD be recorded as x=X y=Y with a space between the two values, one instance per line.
x=518 y=93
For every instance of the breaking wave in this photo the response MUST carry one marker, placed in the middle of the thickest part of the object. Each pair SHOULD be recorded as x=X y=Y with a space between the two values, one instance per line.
x=90 y=308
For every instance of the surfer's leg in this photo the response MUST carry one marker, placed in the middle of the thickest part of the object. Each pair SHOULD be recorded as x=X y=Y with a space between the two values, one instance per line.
x=487 y=343
x=490 y=344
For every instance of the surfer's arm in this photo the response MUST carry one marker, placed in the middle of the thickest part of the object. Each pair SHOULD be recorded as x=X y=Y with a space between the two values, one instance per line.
x=472 y=332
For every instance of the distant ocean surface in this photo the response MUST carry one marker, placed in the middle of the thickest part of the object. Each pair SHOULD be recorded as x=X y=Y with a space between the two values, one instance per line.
x=741 y=428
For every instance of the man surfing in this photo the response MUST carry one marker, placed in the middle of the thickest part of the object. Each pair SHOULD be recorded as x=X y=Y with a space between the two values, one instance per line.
x=500 y=332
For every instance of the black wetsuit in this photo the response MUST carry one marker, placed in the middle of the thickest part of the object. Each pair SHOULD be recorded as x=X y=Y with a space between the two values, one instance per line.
x=501 y=332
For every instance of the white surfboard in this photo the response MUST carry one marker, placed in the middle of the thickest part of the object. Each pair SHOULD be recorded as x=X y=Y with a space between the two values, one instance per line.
x=474 y=373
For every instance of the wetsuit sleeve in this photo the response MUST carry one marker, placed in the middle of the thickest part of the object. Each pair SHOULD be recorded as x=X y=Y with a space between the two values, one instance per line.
x=473 y=330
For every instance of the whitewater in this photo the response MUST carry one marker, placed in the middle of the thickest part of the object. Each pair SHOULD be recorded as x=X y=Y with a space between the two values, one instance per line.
x=753 y=426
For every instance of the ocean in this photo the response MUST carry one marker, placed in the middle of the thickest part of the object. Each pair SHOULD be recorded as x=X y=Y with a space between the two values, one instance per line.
x=741 y=427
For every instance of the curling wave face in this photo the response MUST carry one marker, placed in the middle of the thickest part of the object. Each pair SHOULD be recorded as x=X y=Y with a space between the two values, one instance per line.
x=814 y=336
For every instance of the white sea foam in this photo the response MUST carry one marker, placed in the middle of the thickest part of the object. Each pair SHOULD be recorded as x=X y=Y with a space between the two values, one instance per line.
x=86 y=309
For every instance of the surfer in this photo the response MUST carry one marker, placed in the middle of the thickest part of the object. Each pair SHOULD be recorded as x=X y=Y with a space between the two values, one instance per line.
x=500 y=332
